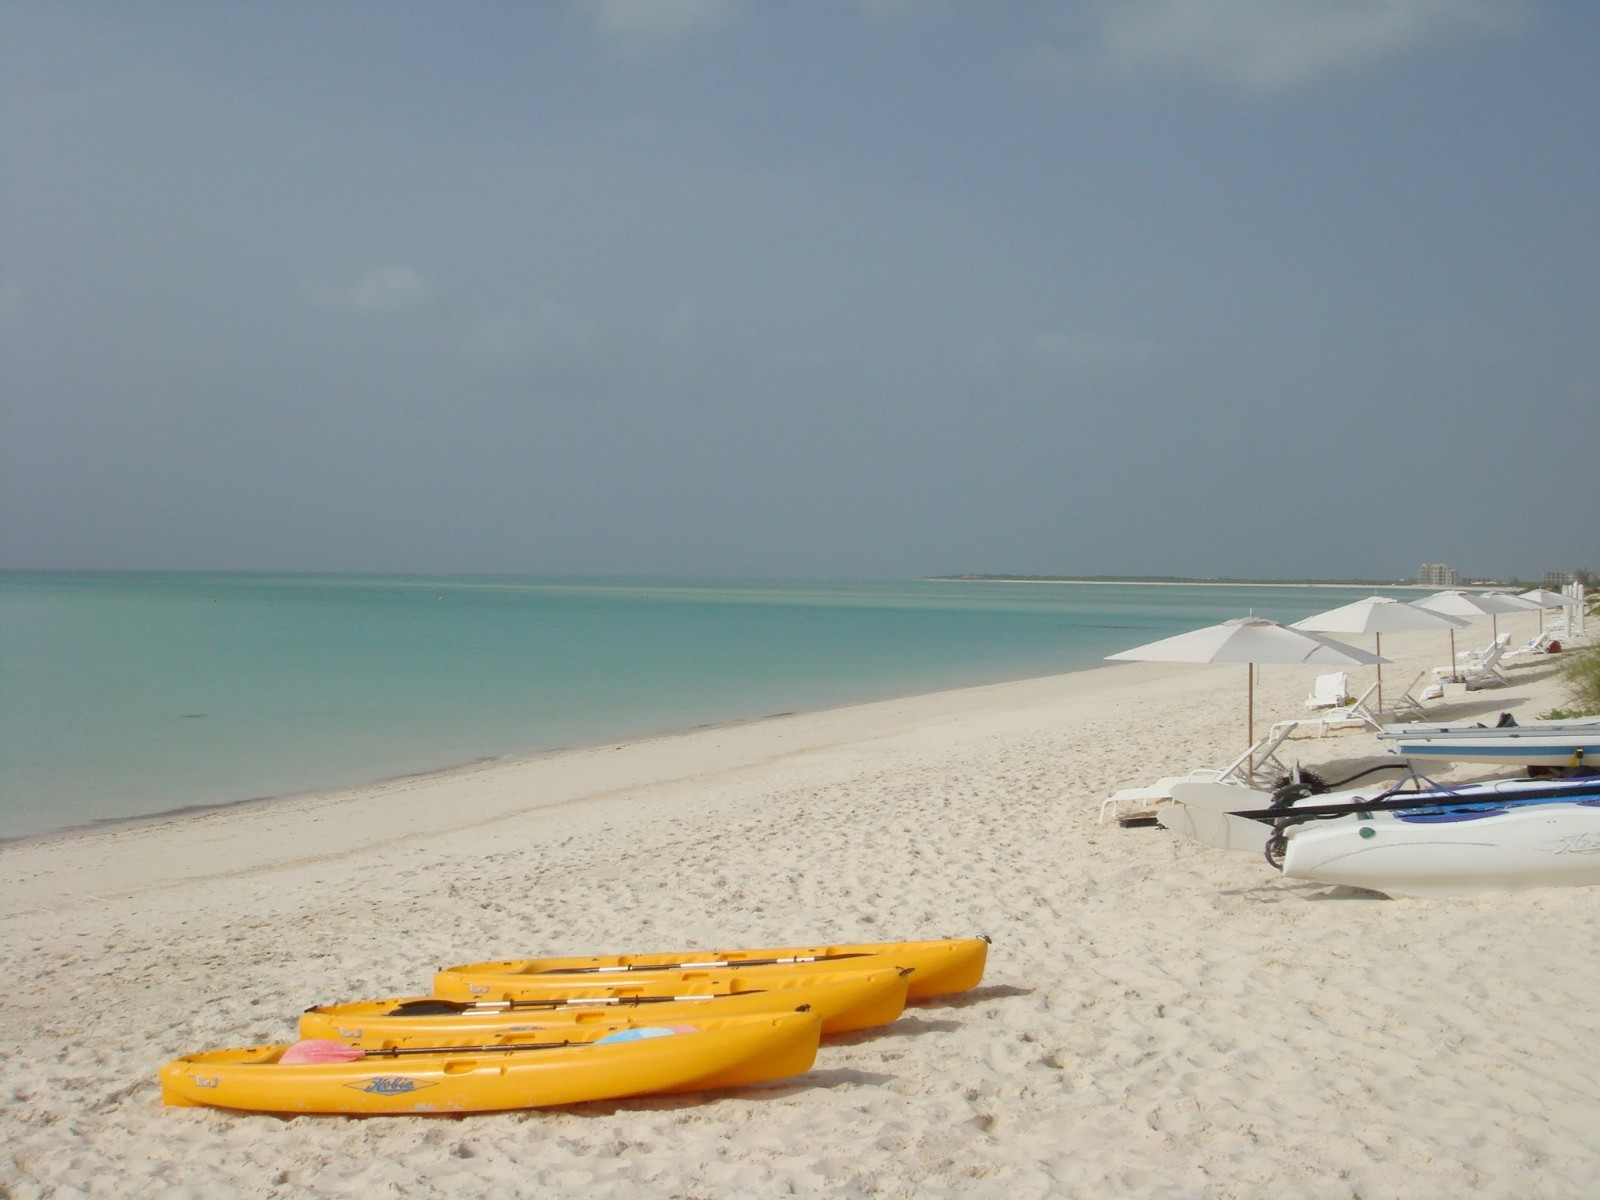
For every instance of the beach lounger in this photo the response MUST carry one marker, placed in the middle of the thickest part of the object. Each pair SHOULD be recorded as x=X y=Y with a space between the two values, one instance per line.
x=1408 y=705
x=1535 y=647
x=1353 y=712
x=1469 y=658
x=1481 y=673
x=1330 y=691
x=1257 y=763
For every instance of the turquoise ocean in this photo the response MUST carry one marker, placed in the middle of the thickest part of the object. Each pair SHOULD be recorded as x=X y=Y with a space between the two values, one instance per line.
x=126 y=695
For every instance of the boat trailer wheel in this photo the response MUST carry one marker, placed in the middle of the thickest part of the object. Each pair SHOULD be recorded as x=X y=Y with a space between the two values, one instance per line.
x=1277 y=844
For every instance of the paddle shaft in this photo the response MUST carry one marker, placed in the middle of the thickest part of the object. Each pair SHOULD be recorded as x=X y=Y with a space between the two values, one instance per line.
x=434 y=1007
x=698 y=966
x=396 y=1051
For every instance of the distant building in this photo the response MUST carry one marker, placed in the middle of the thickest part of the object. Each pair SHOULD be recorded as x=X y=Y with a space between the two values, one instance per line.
x=1438 y=575
x=1559 y=579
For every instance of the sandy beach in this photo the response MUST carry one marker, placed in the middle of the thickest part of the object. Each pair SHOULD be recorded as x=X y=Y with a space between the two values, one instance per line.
x=1158 y=1019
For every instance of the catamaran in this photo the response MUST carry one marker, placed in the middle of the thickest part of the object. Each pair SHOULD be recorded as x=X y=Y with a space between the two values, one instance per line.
x=1419 y=839
x=1548 y=743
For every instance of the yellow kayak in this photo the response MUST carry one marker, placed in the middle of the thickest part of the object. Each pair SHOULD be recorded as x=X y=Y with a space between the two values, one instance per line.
x=939 y=968
x=843 y=1000
x=516 y=1071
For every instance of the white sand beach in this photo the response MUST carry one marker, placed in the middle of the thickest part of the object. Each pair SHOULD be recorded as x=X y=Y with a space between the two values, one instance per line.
x=1158 y=1018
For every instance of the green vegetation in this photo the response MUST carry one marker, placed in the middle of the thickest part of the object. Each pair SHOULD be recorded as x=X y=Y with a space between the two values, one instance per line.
x=1582 y=670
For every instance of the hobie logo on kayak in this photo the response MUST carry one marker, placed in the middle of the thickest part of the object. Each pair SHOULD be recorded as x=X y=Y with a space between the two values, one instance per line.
x=1577 y=843
x=201 y=1081
x=389 y=1085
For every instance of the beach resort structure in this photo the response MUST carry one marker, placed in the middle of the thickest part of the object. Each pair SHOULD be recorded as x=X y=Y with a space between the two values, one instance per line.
x=1440 y=575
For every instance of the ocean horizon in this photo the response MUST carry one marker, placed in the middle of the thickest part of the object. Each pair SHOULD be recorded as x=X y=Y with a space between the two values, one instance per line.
x=133 y=694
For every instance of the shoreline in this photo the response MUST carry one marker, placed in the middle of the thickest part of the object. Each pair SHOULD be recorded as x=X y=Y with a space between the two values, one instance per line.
x=179 y=812
x=200 y=767
x=405 y=800
x=1158 y=1017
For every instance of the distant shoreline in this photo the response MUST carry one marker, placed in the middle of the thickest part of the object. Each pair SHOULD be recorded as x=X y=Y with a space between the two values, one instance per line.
x=493 y=579
x=1178 y=581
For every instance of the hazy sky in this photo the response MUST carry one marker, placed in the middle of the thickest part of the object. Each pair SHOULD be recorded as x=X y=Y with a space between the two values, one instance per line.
x=848 y=288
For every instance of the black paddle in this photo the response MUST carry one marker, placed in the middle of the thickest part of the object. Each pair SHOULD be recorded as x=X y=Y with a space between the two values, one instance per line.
x=396 y=1051
x=433 y=1007
x=317 y=1051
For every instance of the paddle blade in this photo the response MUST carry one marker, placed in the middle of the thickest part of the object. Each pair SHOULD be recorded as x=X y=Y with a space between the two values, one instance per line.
x=318 y=1050
x=431 y=1008
x=648 y=1031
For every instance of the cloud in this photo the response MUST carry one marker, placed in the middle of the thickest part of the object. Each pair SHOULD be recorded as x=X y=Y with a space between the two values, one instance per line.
x=1266 y=46
x=517 y=339
x=380 y=290
x=645 y=21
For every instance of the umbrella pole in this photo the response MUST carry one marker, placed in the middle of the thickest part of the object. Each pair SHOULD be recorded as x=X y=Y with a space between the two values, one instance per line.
x=1250 y=722
x=1377 y=649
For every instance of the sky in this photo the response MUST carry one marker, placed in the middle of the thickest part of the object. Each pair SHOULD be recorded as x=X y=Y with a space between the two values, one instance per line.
x=832 y=289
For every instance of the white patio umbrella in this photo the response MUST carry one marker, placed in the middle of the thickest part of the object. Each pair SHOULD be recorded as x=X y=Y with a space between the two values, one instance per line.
x=1379 y=615
x=1506 y=604
x=1545 y=598
x=1473 y=604
x=1249 y=640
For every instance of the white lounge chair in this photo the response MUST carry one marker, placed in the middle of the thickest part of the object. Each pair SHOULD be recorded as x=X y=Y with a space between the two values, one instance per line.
x=1330 y=691
x=1480 y=673
x=1352 y=712
x=1486 y=674
x=1535 y=647
x=1257 y=763
x=1408 y=705
x=1473 y=657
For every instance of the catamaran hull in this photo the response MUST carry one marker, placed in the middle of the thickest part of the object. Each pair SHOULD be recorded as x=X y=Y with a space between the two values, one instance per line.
x=1452 y=853
x=1532 y=752
x=1531 y=744
x=1201 y=812
x=1206 y=812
